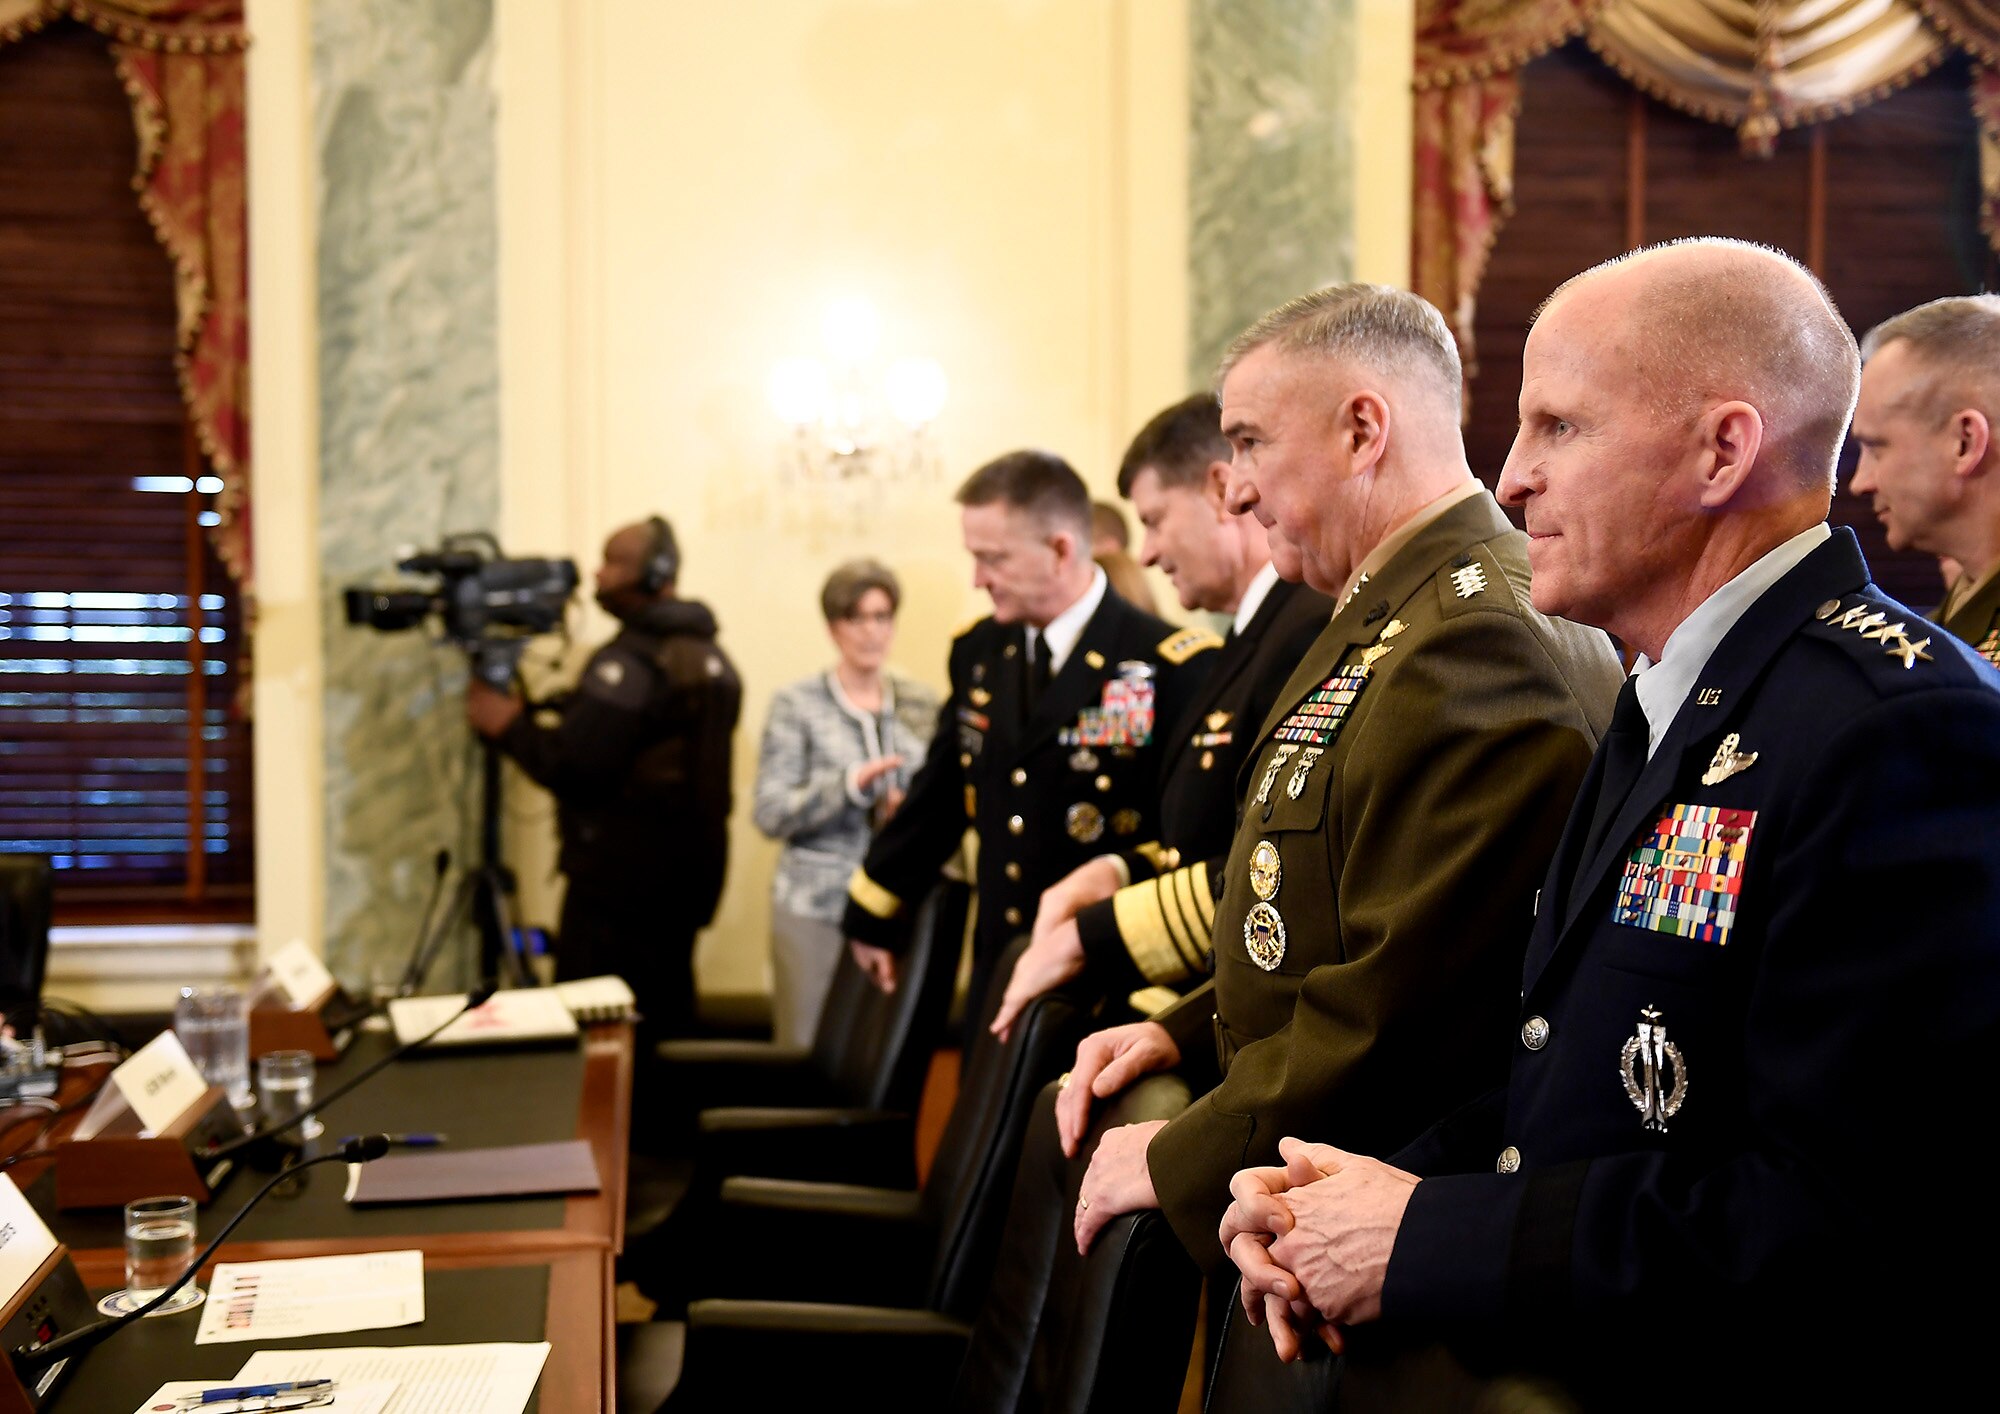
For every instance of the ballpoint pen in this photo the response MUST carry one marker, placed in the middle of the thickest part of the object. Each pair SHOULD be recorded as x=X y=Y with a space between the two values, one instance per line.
x=416 y=1141
x=220 y=1396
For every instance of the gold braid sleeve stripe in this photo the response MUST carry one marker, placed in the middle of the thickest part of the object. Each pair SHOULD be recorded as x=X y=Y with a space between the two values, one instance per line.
x=872 y=896
x=1164 y=925
x=1151 y=1001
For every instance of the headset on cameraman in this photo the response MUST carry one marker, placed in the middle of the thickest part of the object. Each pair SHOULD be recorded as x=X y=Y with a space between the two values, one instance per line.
x=663 y=557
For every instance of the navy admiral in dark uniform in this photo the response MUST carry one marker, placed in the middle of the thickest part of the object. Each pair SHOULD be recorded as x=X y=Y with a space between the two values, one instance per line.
x=1175 y=473
x=638 y=759
x=1049 y=746
x=1729 y=1167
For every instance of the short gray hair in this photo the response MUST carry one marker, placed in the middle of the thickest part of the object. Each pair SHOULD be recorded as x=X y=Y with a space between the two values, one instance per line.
x=1381 y=327
x=1955 y=342
x=849 y=584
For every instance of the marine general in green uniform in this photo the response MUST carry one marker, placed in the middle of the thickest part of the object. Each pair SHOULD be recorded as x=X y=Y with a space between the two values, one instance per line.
x=1405 y=794
x=1929 y=452
x=1049 y=745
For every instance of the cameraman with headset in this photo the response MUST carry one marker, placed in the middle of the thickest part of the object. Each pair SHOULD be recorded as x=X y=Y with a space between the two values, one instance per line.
x=637 y=757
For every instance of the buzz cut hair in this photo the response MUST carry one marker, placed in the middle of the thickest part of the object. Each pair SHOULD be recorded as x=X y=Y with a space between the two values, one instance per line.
x=1178 y=445
x=1955 y=345
x=1380 y=327
x=1041 y=484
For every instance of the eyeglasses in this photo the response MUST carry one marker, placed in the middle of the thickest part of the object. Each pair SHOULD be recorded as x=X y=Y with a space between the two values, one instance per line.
x=882 y=619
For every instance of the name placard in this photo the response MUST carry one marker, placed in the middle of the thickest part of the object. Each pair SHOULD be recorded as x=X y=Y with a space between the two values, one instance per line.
x=159 y=1081
x=300 y=975
x=25 y=1240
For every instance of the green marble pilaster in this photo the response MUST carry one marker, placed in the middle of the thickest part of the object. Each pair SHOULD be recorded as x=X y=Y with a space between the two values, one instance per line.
x=409 y=437
x=1270 y=161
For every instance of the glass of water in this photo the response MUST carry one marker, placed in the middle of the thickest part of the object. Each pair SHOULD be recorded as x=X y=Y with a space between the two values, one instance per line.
x=159 y=1244
x=285 y=1089
x=214 y=1024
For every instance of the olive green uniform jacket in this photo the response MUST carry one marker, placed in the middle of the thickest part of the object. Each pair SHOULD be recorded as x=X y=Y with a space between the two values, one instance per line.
x=1401 y=808
x=1977 y=620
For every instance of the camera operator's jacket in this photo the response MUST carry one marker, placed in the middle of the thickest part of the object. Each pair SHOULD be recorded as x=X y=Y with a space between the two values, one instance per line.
x=638 y=758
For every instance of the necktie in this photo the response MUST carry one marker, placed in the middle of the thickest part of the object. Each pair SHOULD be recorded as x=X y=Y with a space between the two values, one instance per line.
x=1624 y=753
x=1037 y=676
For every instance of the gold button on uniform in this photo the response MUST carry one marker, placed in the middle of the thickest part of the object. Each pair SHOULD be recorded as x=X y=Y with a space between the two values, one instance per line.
x=1015 y=825
x=1509 y=1160
x=1104 y=783
x=1013 y=916
x=1020 y=777
x=1013 y=871
x=1535 y=1033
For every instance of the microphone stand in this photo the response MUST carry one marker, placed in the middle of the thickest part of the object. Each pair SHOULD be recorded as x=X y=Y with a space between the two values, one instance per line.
x=28 y=1359
x=477 y=998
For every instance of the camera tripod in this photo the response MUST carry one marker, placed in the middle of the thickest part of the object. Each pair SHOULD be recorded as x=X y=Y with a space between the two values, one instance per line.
x=484 y=895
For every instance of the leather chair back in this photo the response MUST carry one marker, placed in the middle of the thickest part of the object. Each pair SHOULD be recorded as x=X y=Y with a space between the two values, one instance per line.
x=966 y=1195
x=874 y=1049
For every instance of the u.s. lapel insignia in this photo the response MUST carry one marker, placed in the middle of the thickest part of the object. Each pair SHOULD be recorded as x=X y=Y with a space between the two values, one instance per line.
x=1264 y=936
x=1267 y=871
x=980 y=696
x=1284 y=753
x=1728 y=761
x=1094 y=658
x=1643 y=1064
x=1295 y=787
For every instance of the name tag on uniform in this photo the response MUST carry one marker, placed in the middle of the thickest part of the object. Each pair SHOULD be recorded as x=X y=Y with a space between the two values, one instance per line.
x=1685 y=876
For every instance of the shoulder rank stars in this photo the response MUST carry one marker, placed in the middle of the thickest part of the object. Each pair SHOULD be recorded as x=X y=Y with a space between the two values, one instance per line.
x=1469 y=579
x=1873 y=625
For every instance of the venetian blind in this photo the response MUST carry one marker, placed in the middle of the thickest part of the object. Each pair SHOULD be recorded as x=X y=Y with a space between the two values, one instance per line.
x=122 y=754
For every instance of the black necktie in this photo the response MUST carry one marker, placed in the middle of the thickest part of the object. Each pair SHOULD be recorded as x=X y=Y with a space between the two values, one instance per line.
x=1624 y=753
x=1038 y=674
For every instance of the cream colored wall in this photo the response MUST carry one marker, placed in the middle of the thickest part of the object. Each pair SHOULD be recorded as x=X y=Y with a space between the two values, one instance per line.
x=1002 y=180
x=681 y=186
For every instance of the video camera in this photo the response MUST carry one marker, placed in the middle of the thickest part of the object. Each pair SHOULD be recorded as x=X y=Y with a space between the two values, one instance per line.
x=489 y=605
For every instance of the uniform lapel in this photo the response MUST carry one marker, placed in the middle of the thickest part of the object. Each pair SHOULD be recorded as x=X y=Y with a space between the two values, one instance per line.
x=1834 y=569
x=1079 y=683
x=1232 y=660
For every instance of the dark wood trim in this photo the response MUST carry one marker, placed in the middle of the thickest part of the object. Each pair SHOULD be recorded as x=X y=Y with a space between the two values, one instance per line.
x=604 y=1117
x=1635 y=171
x=1816 y=202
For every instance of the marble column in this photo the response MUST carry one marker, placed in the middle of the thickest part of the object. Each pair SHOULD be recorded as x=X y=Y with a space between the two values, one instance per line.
x=1270 y=158
x=409 y=439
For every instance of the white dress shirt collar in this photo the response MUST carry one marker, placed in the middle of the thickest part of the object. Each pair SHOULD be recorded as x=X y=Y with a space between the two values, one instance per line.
x=1062 y=631
x=1664 y=686
x=1254 y=596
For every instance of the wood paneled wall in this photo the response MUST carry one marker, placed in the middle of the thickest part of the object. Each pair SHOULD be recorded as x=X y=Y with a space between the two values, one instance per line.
x=1882 y=205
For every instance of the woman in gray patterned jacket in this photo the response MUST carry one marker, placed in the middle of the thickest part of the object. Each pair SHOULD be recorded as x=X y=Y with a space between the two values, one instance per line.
x=837 y=752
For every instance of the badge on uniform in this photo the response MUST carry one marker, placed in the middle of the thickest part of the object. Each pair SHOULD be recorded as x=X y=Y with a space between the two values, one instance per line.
x=1685 y=876
x=972 y=729
x=1264 y=936
x=1643 y=1064
x=1084 y=822
x=1215 y=735
x=1123 y=715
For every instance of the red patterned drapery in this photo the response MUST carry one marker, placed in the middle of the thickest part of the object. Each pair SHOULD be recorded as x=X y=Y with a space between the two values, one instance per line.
x=1467 y=95
x=1758 y=65
x=181 y=63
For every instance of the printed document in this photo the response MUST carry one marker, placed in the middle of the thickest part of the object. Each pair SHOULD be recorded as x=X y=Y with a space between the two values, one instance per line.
x=430 y=1379
x=312 y=1296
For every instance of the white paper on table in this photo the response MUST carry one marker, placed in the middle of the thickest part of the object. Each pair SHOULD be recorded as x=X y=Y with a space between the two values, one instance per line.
x=430 y=1379
x=312 y=1296
x=371 y=1398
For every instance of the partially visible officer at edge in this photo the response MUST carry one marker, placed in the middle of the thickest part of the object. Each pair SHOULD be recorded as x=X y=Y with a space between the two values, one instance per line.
x=1929 y=456
x=1049 y=745
x=1729 y=1165
x=638 y=760
x=1175 y=475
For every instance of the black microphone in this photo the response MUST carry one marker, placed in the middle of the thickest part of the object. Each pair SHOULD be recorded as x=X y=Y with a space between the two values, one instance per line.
x=477 y=998
x=27 y=1359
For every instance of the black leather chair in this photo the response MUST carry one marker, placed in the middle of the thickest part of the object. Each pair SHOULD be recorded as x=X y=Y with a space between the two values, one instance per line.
x=871 y=1290
x=848 y=1103
x=1063 y=1334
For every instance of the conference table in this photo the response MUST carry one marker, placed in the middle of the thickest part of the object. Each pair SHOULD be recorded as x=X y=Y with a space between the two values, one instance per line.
x=494 y=1270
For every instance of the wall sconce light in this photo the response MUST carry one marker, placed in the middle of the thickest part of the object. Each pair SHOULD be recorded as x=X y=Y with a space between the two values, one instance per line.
x=851 y=424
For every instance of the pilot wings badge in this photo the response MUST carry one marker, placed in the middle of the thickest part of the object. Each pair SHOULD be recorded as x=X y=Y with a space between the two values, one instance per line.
x=1643 y=1064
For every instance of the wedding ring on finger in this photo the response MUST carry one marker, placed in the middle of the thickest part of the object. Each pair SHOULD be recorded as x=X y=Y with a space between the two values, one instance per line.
x=1062 y=1081
x=1083 y=1205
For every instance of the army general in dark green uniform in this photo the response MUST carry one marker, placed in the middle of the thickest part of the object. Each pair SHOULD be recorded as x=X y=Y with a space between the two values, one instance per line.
x=1405 y=793
x=1929 y=453
x=1049 y=746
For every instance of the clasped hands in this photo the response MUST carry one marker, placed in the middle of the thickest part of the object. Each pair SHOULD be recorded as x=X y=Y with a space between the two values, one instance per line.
x=1312 y=1240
